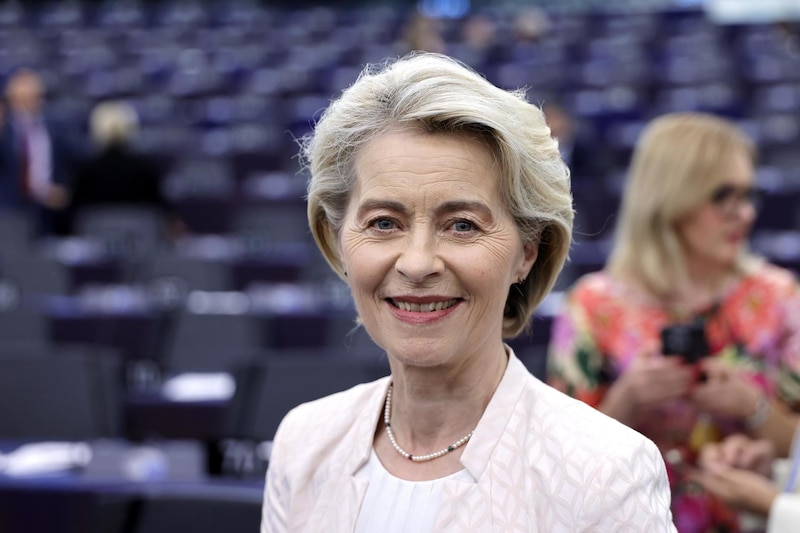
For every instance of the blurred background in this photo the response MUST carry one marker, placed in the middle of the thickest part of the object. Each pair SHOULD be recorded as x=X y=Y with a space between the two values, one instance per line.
x=150 y=343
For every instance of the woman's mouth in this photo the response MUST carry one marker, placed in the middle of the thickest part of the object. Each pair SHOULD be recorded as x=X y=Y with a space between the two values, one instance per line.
x=427 y=307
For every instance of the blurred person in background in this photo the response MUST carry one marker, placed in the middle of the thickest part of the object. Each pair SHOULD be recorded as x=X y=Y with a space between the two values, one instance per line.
x=116 y=174
x=443 y=202
x=36 y=156
x=424 y=34
x=747 y=474
x=478 y=46
x=651 y=340
x=588 y=163
x=531 y=24
x=479 y=32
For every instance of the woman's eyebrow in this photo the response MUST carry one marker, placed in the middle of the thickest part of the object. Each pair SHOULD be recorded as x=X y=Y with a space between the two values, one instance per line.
x=463 y=205
x=390 y=205
x=441 y=209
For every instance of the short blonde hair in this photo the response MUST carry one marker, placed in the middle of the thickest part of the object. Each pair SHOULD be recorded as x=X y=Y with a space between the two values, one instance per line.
x=677 y=163
x=437 y=94
x=113 y=123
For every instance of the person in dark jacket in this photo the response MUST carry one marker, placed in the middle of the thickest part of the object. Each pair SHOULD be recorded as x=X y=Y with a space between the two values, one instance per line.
x=37 y=157
x=117 y=175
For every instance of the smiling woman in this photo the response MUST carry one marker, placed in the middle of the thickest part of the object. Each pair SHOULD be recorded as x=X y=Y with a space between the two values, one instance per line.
x=425 y=229
x=444 y=204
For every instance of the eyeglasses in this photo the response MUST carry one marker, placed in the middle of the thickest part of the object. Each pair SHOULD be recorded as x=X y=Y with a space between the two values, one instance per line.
x=727 y=198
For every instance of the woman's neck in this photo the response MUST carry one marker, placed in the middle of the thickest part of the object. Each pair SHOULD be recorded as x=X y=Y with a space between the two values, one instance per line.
x=431 y=408
x=705 y=285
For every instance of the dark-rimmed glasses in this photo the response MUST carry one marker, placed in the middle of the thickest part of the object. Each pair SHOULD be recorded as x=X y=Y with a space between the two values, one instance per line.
x=727 y=198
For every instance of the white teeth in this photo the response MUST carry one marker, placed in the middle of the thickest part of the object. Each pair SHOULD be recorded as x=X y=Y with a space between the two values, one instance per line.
x=424 y=308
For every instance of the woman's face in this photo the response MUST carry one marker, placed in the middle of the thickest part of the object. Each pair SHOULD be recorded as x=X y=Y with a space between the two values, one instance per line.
x=429 y=249
x=714 y=234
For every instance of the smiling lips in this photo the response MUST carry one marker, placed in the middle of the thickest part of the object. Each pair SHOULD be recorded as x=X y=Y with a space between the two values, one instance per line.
x=427 y=307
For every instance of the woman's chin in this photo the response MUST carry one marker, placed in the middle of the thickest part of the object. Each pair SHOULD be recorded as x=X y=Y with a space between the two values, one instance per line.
x=422 y=353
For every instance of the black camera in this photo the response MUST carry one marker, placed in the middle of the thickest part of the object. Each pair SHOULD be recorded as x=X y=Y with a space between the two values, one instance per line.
x=687 y=340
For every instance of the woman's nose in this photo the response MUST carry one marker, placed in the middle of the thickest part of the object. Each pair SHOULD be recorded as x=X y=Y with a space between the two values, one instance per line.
x=419 y=258
x=746 y=212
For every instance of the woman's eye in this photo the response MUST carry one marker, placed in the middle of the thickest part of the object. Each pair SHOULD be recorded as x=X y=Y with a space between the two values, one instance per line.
x=383 y=224
x=463 y=226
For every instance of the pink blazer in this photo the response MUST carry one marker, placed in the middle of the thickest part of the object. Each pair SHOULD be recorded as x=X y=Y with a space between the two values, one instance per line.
x=539 y=461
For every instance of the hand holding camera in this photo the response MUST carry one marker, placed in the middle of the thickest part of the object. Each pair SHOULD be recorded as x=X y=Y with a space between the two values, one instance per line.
x=718 y=391
x=687 y=340
x=726 y=392
x=651 y=380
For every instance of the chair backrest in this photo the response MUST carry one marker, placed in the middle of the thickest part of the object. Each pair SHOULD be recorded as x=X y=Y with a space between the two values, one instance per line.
x=268 y=389
x=193 y=273
x=271 y=224
x=24 y=326
x=35 y=274
x=20 y=322
x=16 y=230
x=210 y=342
x=65 y=395
x=125 y=231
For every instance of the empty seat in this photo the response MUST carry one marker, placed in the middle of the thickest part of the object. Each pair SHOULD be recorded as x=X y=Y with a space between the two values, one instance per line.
x=20 y=324
x=60 y=396
x=273 y=224
x=135 y=335
x=16 y=230
x=34 y=274
x=125 y=231
x=210 y=342
x=191 y=273
x=266 y=390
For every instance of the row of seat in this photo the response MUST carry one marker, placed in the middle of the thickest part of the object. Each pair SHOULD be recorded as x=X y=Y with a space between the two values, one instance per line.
x=201 y=340
x=75 y=392
x=190 y=341
x=78 y=392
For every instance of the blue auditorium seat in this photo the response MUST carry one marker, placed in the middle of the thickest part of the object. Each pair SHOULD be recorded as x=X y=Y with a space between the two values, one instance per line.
x=60 y=396
x=268 y=388
x=35 y=274
x=211 y=341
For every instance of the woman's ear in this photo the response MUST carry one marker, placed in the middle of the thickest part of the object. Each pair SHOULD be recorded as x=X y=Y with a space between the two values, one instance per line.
x=530 y=253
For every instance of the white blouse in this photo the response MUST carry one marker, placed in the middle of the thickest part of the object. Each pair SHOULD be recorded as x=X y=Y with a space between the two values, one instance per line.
x=394 y=505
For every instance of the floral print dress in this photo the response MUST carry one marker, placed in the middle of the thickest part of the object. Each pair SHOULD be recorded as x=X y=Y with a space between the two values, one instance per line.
x=606 y=324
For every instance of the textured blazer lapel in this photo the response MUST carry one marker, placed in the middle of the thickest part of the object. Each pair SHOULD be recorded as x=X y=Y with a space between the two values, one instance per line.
x=493 y=501
x=340 y=502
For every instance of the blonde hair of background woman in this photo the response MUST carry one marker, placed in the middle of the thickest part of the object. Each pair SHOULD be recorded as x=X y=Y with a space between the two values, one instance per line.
x=678 y=161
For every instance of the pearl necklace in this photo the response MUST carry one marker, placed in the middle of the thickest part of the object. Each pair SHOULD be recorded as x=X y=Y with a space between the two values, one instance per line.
x=387 y=410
